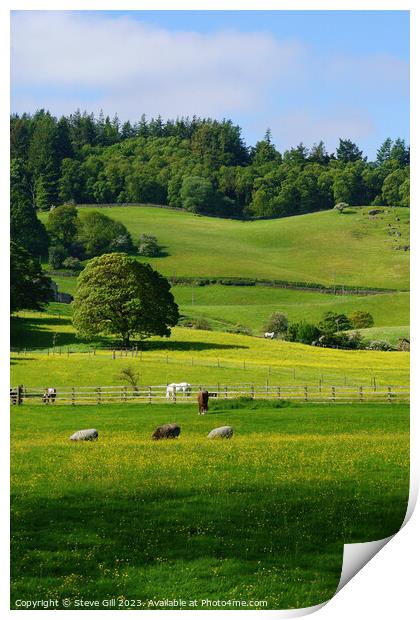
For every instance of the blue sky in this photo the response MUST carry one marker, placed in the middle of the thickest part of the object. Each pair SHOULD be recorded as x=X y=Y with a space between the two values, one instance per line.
x=308 y=75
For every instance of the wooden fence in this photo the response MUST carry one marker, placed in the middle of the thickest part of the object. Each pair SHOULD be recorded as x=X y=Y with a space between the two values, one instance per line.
x=158 y=394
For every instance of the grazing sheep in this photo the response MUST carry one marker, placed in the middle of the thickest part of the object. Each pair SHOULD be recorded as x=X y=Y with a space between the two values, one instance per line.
x=89 y=434
x=223 y=432
x=167 y=431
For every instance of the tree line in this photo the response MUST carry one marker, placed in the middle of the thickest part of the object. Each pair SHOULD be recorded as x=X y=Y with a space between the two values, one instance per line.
x=201 y=165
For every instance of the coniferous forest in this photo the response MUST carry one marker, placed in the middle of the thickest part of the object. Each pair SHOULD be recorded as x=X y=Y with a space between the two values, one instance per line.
x=201 y=165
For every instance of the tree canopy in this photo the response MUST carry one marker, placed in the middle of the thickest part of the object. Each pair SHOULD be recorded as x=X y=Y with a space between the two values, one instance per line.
x=199 y=164
x=30 y=289
x=117 y=295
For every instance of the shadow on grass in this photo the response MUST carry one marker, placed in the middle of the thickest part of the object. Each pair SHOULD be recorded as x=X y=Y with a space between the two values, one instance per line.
x=39 y=332
x=180 y=345
x=295 y=533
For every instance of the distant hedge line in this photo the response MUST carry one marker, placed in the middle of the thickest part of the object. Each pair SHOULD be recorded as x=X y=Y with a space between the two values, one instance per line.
x=309 y=286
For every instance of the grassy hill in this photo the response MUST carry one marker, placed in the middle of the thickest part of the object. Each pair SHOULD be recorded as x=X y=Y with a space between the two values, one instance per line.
x=325 y=247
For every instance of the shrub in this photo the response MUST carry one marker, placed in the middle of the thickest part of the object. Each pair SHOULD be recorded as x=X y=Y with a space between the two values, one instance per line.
x=361 y=319
x=379 y=345
x=148 y=246
x=342 y=340
x=403 y=344
x=332 y=322
x=303 y=332
x=100 y=234
x=277 y=323
x=201 y=323
x=56 y=256
x=122 y=243
x=240 y=329
x=72 y=263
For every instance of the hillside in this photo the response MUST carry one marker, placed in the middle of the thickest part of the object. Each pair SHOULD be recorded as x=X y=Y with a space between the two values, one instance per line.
x=325 y=247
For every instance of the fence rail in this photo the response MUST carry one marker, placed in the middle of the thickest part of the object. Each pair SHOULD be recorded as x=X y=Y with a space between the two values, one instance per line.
x=158 y=394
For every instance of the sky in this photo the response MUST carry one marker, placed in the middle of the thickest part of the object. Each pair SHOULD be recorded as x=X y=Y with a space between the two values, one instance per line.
x=306 y=75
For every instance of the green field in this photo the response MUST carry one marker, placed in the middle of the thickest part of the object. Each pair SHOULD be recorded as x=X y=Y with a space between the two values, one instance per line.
x=251 y=306
x=323 y=247
x=262 y=517
x=198 y=357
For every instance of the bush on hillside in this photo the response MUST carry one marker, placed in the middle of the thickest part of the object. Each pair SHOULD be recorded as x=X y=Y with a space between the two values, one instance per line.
x=361 y=319
x=148 y=246
x=303 y=332
x=379 y=345
x=333 y=322
x=403 y=344
x=72 y=263
x=100 y=234
x=56 y=256
x=277 y=323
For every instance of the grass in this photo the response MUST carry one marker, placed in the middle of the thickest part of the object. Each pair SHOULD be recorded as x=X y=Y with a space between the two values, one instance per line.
x=262 y=517
x=323 y=247
x=226 y=306
x=198 y=357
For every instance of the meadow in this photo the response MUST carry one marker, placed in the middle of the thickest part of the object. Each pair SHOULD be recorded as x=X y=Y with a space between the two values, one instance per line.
x=224 y=307
x=323 y=247
x=196 y=356
x=262 y=517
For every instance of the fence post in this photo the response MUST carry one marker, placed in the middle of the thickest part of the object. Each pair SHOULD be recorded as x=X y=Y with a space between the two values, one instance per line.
x=73 y=399
x=125 y=393
x=150 y=394
x=19 y=399
x=333 y=393
x=389 y=394
x=99 y=395
x=278 y=392
x=320 y=386
x=361 y=394
x=226 y=391
x=305 y=392
x=252 y=391
x=113 y=354
x=174 y=393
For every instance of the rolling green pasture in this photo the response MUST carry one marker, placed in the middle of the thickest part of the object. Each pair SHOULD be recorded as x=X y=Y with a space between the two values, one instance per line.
x=262 y=517
x=197 y=356
x=323 y=247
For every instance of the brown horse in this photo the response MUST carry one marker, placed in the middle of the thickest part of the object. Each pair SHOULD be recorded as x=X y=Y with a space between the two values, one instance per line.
x=203 y=401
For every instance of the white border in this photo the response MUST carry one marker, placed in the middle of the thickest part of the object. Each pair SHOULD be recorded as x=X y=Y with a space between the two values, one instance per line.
x=387 y=586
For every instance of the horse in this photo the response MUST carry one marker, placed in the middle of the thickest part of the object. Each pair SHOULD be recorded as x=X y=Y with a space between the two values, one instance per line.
x=269 y=335
x=173 y=388
x=49 y=395
x=203 y=400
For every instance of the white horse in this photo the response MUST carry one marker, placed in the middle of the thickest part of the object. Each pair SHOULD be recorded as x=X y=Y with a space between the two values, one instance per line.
x=269 y=335
x=173 y=388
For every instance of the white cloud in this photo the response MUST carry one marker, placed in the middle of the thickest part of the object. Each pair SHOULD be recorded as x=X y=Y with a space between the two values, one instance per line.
x=132 y=68
x=309 y=126
x=382 y=74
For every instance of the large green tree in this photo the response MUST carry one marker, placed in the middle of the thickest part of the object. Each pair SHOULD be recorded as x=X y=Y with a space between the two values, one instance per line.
x=117 y=295
x=30 y=288
x=25 y=228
